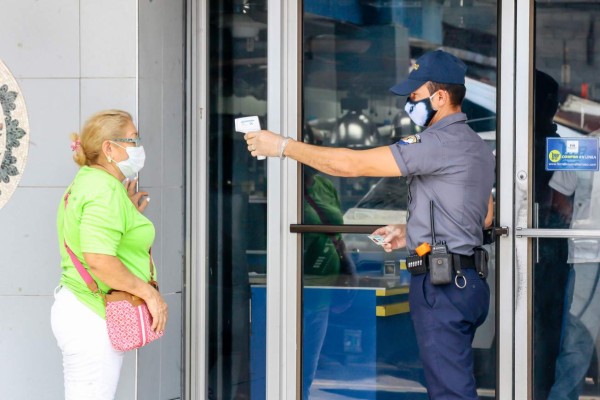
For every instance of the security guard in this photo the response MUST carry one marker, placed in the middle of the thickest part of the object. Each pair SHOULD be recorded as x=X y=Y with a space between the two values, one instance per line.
x=450 y=173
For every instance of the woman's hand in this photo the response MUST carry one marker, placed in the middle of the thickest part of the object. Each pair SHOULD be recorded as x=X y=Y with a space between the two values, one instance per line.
x=158 y=309
x=264 y=143
x=394 y=237
x=111 y=271
x=136 y=197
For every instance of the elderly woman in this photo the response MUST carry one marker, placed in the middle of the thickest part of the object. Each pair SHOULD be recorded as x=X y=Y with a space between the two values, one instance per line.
x=100 y=220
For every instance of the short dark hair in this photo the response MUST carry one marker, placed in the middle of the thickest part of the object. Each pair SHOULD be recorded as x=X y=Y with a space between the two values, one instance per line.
x=455 y=92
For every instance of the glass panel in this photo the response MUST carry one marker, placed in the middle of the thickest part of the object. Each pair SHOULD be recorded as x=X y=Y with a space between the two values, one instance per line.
x=237 y=202
x=566 y=194
x=358 y=338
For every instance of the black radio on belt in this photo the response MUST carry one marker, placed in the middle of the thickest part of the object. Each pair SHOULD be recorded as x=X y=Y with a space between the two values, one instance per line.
x=440 y=264
x=440 y=260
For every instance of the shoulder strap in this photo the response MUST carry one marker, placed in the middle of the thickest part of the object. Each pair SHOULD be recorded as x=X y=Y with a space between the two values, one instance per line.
x=87 y=278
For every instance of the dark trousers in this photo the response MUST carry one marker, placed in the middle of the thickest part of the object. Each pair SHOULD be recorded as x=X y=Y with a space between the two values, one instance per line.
x=445 y=319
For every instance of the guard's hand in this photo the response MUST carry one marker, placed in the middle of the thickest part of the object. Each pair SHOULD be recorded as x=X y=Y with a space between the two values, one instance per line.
x=158 y=309
x=263 y=143
x=139 y=199
x=394 y=237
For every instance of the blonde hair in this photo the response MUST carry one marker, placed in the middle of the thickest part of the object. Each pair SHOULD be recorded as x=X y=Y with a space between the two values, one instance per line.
x=102 y=126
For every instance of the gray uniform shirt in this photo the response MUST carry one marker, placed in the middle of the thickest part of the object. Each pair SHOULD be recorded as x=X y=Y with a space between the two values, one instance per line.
x=452 y=166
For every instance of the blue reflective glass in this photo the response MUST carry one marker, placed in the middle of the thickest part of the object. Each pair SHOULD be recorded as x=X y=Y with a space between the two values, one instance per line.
x=566 y=272
x=358 y=337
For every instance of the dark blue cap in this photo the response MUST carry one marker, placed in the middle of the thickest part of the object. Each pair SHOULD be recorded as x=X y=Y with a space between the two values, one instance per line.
x=435 y=66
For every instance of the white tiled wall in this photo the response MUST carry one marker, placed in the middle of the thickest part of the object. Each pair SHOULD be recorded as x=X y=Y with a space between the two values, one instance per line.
x=108 y=38
x=161 y=126
x=102 y=93
x=53 y=108
x=40 y=39
x=72 y=58
x=29 y=256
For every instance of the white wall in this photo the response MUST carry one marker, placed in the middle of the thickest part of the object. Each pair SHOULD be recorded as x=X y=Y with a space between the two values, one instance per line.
x=72 y=58
x=162 y=129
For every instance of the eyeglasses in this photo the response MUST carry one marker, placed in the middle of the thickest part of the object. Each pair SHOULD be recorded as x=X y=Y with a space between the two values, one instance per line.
x=137 y=141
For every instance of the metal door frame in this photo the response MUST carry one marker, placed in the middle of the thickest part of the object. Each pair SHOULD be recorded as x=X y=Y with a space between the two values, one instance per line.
x=506 y=374
x=524 y=231
x=283 y=314
x=282 y=203
x=284 y=101
x=196 y=248
x=523 y=132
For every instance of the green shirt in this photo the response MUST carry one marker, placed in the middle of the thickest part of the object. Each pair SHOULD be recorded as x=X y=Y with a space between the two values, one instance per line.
x=320 y=256
x=100 y=218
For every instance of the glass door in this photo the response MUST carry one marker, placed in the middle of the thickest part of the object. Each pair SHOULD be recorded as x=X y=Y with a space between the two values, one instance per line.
x=357 y=336
x=558 y=203
x=236 y=202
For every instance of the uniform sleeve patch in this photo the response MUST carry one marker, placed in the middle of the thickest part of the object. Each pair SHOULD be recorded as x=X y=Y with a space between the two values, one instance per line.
x=416 y=138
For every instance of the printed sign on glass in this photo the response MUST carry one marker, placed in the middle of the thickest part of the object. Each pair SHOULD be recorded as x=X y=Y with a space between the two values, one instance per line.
x=572 y=154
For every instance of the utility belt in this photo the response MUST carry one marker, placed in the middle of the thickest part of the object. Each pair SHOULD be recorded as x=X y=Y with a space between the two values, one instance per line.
x=443 y=265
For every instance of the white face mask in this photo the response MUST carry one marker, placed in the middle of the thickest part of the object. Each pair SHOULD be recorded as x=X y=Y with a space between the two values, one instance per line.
x=134 y=163
x=420 y=112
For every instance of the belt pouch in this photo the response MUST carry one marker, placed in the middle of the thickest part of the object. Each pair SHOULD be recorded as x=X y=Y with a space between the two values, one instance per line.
x=440 y=269
x=481 y=261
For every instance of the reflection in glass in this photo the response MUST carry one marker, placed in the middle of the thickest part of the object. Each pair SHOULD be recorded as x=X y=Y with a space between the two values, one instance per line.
x=551 y=253
x=566 y=271
x=581 y=315
x=353 y=52
x=326 y=264
x=237 y=202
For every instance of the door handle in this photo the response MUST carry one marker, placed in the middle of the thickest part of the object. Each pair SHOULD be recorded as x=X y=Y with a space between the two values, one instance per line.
x=557 y=233
x=308 y=228
x=491 y=234
x=495 y=232
x=536 y=225
x=501 y=231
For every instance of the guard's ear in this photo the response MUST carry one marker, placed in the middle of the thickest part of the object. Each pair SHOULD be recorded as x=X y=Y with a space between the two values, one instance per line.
x=443 y=97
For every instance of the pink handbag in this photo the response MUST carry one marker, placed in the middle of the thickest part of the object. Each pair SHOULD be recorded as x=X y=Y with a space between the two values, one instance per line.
x=128 y=321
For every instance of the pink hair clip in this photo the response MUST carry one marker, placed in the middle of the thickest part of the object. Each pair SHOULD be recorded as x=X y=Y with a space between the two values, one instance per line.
x=75 y=145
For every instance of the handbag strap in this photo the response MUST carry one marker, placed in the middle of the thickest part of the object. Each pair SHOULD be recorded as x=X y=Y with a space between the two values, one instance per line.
x=87 y=278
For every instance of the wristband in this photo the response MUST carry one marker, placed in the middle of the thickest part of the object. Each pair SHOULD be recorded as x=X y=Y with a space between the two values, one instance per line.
x=284 y=144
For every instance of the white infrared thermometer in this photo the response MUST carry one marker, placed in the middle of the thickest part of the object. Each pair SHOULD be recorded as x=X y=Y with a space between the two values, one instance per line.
x=248 y=124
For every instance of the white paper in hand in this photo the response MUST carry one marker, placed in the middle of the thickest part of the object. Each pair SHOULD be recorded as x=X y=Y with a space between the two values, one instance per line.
x=248 y=124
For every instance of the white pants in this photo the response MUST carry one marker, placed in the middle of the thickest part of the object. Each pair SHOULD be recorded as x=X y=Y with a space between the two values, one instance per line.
x=91 y=366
